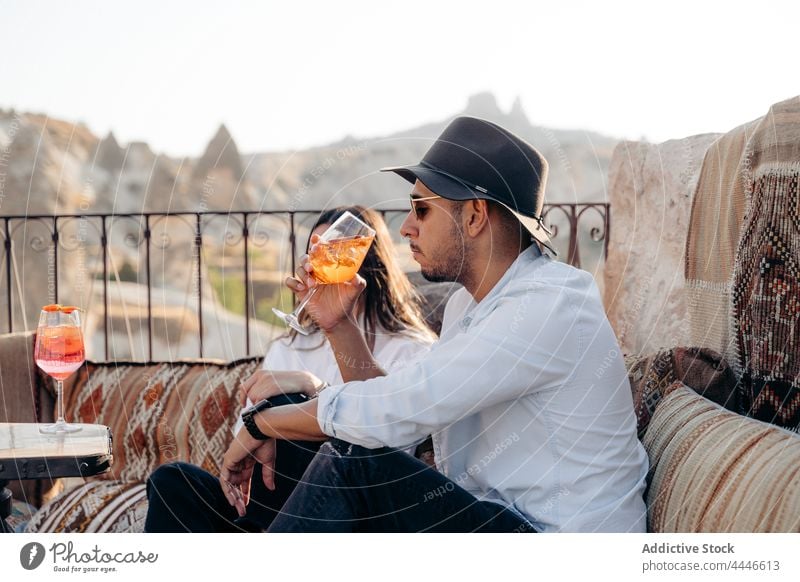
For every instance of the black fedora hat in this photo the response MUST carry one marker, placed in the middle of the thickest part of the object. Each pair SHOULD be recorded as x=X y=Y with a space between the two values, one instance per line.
x=475 y=158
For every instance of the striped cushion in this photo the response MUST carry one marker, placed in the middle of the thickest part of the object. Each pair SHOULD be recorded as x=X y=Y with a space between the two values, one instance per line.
x=160 y=412
x=96 y=507
x=716 y=471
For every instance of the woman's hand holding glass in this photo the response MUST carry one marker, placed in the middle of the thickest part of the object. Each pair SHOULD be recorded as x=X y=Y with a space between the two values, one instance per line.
x=333 y=259
x=332 y=303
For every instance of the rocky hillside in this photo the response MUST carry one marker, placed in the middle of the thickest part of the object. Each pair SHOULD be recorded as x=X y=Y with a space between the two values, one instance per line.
x=346 y=172
x=51 y=166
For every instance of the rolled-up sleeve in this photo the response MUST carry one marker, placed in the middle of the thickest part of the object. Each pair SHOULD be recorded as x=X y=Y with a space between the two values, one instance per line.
x=515 y=350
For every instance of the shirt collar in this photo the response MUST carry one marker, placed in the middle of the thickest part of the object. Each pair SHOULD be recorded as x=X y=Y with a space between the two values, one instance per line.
x=520 y=266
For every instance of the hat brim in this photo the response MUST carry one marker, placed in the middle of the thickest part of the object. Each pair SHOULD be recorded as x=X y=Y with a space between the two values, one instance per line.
x=450 y=187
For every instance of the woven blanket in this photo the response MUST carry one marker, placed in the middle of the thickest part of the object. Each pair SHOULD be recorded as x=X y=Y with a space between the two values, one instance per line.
x=766 y=281
x=717 y=210
x=160 y=412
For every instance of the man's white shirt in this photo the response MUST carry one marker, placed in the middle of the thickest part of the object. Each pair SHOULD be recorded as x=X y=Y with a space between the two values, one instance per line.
x=528 y=400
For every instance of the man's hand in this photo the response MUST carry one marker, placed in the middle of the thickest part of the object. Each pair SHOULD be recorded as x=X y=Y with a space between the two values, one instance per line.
x=266 y=384
x=331 y=304
x=237 y=468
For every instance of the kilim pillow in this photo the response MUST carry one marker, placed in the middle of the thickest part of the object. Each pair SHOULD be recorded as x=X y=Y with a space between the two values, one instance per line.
x=703 y=370
x=766 y=292
x=96 y=507
x=712 y=470
x=160 y=412
x=765 y=287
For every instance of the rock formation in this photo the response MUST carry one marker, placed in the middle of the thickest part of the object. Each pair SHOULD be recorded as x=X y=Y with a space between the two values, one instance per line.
x=110 y=155
x=217 y=177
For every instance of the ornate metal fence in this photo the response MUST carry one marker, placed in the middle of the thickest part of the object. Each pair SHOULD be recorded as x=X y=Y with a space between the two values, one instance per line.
x=87 y=254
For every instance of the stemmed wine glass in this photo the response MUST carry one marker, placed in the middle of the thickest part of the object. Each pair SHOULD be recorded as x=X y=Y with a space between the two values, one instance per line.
x=59 y=352
x=336 y=258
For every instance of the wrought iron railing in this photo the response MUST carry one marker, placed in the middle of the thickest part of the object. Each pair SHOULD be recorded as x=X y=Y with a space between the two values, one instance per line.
x=152 y=232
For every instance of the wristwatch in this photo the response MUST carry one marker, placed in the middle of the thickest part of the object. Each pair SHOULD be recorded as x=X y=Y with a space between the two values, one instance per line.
x=248 y=417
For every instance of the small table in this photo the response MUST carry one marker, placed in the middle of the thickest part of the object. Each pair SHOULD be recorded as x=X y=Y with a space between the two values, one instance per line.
x=25 y=453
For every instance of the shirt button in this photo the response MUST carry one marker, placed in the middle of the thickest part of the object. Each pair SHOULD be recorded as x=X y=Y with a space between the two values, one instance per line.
x=465 y=322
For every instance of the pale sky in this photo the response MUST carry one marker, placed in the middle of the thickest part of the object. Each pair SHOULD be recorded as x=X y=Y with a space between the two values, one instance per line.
x=294 y=74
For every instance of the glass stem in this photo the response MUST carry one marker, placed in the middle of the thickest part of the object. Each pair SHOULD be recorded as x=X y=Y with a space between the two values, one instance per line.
x=305 y=301
x=60 y=401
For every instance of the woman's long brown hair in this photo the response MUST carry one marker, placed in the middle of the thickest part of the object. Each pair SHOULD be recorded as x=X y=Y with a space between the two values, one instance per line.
x=390 y=301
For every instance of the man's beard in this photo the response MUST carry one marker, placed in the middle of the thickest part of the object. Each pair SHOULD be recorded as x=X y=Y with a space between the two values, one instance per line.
x=442 y=274
x=454 y=264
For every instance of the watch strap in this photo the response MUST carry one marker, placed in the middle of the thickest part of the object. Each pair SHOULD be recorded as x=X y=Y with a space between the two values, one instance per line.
x=249 y=419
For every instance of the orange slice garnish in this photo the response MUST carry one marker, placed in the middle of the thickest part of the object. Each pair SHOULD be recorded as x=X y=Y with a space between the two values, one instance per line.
x=62 y=308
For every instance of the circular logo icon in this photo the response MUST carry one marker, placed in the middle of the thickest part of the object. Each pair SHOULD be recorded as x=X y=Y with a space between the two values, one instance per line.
x=31 y=555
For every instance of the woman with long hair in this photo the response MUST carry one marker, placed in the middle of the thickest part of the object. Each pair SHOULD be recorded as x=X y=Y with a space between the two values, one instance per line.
x=186 y=498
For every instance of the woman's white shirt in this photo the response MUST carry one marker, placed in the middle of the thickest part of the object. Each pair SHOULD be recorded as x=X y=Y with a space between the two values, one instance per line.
x=314 y=353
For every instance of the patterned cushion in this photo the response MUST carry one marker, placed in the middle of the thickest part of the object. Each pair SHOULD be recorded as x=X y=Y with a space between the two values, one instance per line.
x=716 y=471
x=699 y=368
x=96 y=507
x=160 y=412
x=766 y=297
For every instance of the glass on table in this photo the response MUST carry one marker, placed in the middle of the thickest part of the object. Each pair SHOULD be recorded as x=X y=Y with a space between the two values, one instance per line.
x=59 y=352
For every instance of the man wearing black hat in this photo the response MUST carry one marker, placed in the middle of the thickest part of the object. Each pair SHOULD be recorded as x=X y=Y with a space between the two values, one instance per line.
x=528 y=434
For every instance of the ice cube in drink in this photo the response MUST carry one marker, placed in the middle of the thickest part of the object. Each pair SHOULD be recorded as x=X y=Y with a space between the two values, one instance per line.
x=338 y=260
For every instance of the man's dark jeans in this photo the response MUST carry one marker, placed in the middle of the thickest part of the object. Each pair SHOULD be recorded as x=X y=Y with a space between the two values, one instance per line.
x=346 y=488
x=350 y=488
